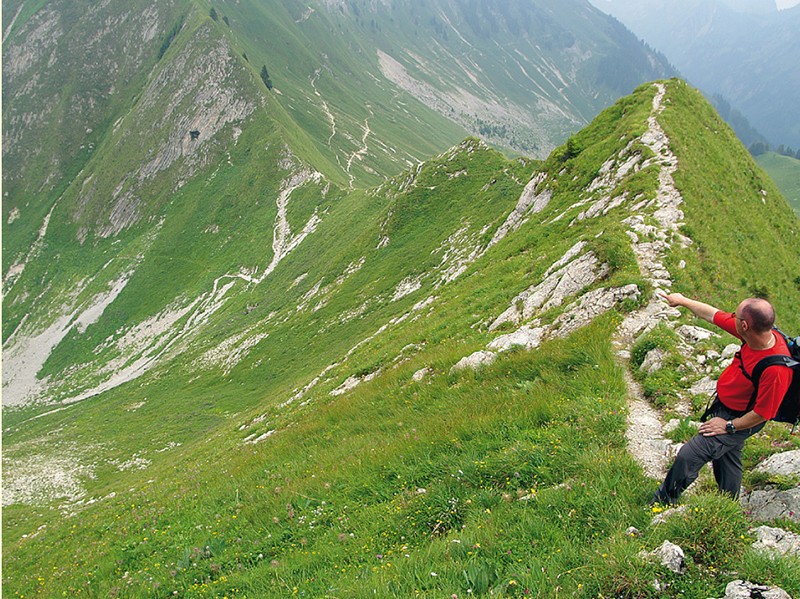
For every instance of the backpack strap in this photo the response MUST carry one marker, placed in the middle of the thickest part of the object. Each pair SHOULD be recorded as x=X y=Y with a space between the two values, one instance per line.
x=738 y=356
x=711 y=407
x=763 y=364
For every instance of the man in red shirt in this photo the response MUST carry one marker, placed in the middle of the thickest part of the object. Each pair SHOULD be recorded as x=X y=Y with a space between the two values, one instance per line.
x=721 y=438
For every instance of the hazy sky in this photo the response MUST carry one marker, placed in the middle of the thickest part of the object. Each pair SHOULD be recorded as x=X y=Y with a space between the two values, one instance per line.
x=786 y=3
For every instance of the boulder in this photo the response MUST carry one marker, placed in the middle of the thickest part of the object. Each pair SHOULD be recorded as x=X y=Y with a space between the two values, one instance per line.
x=776 y=541
x=740 y=589
x=591 y=305
x=786 y=463
x=475 y=361
x=772 y=504
x=671 y=556
x=421 y=374
x=693 y=334
x=523 y=337
x=705 y=386
x=565 y=278
x=653 y=361
x=632 y=531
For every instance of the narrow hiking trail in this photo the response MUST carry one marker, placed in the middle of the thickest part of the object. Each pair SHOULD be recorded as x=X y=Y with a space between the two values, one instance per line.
x=650 y=243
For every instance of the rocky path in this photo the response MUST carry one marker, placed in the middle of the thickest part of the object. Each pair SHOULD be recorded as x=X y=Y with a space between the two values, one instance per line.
x=644 y=432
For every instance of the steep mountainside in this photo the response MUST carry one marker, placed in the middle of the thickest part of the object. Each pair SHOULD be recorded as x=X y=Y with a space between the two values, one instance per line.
x=99 y=171
x=742 y=51
x=361 y=90
x=519 y=74
x=311 y=420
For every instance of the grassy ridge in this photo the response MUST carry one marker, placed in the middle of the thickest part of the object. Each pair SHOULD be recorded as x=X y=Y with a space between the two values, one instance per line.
x=736 y=216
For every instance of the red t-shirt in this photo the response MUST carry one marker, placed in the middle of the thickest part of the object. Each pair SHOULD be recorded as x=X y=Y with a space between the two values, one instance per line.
x=735 y=390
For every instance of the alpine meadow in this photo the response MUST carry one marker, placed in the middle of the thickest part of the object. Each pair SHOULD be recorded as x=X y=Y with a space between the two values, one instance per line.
x=357 y=298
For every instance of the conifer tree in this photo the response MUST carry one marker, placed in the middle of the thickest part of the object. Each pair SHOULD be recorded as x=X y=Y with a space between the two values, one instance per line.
x=265 y=77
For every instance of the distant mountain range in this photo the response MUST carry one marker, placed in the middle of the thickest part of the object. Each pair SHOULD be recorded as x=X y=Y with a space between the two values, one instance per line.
x=747 y=52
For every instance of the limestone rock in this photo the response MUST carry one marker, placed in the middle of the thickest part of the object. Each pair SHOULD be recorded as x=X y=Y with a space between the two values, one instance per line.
x=671 y=556
x=512 y=315
x=786 y=463
x=421 y=374
x=567 y=280
x=475 y=361
x=740 y=589
x=529 y=203
x=771 y=504
x=632 y=531
x=693 y=334
x=563 y=283
x=705 y=386
x=525 y=337
x=777 y=541
x=591 y=305
x=350 y=384
x=729 y=351
x=653 y=361
x=641 y=321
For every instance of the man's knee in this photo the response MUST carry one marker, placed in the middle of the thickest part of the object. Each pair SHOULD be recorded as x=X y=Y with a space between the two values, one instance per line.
x=694 y=454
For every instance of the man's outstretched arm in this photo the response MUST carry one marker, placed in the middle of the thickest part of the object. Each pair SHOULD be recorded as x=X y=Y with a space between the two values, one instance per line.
x=699 y=309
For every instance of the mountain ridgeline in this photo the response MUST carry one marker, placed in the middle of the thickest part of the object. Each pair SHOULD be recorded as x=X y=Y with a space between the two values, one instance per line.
x=355 y=92
x=253 y=346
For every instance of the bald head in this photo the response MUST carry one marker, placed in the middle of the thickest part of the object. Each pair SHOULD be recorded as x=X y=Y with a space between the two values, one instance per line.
x=758 y=313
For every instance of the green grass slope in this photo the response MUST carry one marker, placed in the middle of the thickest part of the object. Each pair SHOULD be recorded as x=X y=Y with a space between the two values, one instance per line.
x=302 y=430
x=785 y=171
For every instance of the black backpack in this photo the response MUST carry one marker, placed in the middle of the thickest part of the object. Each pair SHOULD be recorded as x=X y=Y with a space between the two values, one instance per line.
x=789 y=409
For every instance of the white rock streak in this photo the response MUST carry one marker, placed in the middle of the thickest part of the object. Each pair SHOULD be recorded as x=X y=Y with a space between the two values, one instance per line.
x=325 y=108
x=283 y=243
x=359 y=153
x=554 y=289
x=26 y=351
x=146 y=344
x=529 y=203
x=11 y=24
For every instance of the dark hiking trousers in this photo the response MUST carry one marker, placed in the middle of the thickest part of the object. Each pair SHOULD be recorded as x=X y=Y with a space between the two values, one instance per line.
x=723 y=451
